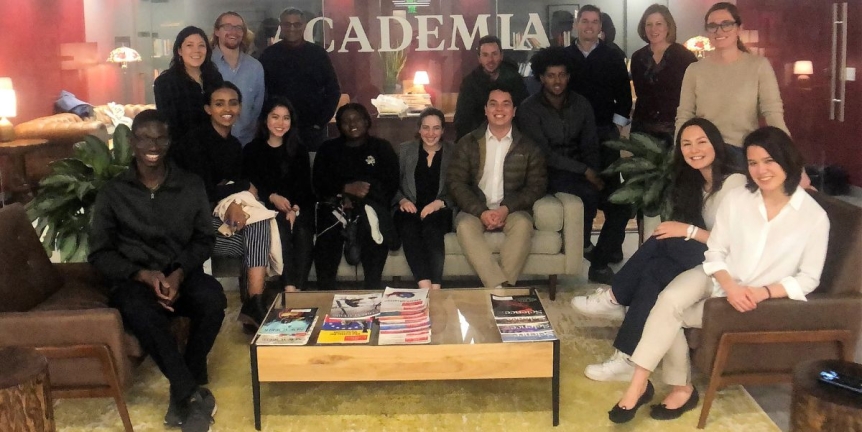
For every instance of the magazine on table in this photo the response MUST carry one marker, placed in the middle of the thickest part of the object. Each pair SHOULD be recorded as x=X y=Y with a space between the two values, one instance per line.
x=292 y=326
x=404 y=317
x=355 y=306
x=517 y=306
x=521 y=318
x=338 y=331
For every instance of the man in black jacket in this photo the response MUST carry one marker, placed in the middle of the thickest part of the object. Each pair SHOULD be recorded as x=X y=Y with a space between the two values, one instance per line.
x=492 y=69
x=151 y=233
x=302 y=72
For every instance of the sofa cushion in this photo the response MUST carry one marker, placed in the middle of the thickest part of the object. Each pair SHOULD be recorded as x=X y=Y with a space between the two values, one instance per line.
x=28 y=277
x=543 y=243
x=74 y=296
x=548 y=214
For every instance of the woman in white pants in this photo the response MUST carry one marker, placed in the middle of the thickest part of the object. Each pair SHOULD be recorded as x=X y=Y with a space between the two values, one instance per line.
x=769 y=241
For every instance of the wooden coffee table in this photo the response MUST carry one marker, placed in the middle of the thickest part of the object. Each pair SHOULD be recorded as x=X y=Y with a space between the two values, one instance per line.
x=465 y=345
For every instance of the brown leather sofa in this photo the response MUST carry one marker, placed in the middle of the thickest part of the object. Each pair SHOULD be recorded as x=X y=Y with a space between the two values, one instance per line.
x=762 y=346
x=62 y=310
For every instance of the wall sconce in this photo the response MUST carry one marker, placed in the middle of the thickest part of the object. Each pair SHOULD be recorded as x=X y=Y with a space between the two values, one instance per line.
x=8 y=108
x=804 y=69
x=123 y=55
x=420 y=80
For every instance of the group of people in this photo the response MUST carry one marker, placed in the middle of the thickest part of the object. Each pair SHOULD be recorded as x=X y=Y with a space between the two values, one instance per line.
x=223 y=166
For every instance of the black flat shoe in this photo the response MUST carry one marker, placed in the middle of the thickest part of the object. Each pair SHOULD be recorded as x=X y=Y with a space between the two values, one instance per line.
x=618 y=414
x=661 y=412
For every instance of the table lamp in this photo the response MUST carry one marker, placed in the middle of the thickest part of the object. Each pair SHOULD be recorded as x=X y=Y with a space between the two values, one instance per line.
x=804 y=69
x=419 y=81
x=8 y=108
x=123 y=55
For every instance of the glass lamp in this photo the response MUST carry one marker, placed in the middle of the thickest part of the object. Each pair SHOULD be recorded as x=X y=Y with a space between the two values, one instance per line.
x=8 y=108
x=698 y=45
x=123 y=55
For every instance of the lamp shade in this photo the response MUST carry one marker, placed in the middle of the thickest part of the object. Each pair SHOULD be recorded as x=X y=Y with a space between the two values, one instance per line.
x=803 y=67
x=8 y=103
x=421 y=78
x=123 y=55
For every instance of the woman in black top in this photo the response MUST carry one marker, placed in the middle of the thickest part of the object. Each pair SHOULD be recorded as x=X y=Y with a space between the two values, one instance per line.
x=277 y=163
x=180 y=90
x=657 y=72
x=355 y=177
x=211 y=152
x=424 y=216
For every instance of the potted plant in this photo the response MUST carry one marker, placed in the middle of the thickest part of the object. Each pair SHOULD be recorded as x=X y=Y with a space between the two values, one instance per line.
x=646 y=174
x=393 y=62
x=62 y=208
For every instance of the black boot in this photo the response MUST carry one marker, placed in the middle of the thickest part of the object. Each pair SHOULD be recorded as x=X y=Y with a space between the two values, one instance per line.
x=253 y=311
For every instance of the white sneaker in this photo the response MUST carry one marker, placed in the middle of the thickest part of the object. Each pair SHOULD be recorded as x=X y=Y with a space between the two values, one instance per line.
x=616 y=368
x=599 y=305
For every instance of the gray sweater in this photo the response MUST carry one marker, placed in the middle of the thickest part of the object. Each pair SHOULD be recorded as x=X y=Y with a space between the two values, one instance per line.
x=408 y=157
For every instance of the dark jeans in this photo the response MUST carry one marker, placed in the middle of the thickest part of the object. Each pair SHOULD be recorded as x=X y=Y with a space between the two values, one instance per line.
x=422 y=240
x=737 y=157
x=201 y=299
x=330 y=247
x=297 y=244
x=616 y=215
x=638 y=284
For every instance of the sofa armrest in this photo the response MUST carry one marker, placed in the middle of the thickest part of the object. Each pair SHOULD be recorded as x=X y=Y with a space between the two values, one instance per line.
x=573 y=232
x=102 y=326
x=824 y=312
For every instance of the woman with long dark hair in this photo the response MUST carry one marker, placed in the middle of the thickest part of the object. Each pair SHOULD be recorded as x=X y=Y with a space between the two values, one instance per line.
x=424 y=211
x=769 y=241
x=277 y=163
x=703 y=176
x=355 y=177
x=180 y=89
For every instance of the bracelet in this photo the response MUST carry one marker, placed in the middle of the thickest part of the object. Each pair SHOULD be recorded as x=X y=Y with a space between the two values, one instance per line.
x=689 y=232
x=768 y=292
x=694 y=233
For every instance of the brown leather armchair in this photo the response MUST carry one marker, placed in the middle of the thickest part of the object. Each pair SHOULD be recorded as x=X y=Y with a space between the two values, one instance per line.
x=762 y=346
x=61 y=309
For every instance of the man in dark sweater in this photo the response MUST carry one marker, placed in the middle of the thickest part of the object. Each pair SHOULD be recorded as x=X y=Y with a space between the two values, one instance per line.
x=561 y=122
x=149 y=237
x=599 y=74
x=492 y=69
x=302 y=72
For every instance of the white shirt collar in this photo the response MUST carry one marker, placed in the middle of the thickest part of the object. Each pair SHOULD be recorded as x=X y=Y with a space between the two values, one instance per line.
x=489 y=135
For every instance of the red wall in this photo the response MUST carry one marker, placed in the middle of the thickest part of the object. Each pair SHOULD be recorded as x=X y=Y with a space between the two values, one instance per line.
x=30 y=52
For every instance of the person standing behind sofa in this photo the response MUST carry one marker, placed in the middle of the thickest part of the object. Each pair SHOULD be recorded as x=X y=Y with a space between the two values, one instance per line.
x=302 y=72
x=423 y=215
x=495 y=176
x=229 y=47
x=149 y=237
x=277 y=163
x=355 y=177
x=180 y=90
x=657 y=72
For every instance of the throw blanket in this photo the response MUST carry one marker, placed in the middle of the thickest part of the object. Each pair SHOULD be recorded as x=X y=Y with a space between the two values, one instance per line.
x=256 y=212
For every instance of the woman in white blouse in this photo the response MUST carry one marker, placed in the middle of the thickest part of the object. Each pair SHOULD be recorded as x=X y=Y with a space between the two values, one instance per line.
x=769 y=241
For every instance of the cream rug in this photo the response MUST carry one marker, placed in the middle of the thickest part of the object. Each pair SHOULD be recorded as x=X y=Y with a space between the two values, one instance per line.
x=505 y=405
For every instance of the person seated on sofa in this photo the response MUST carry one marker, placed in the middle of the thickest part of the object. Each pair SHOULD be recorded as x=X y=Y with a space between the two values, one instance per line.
x=494 y=177
x=211 y=152
x=423 y=215
x=180 y=90
x=149 y=237
x=355 y=177
x=769 y=241
x=277 y=163
x=703 y=174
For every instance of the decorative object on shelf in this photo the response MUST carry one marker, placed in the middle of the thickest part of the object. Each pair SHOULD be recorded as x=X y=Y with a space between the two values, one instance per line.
x=646 y=174
x=8 y=108
x=393 y=62
x=64 y=202
x=699 y=45
x=420 y=80
x=123 y=55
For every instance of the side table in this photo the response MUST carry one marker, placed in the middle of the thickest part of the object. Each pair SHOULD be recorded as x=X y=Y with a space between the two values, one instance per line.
x=25 y=391
x=17 y=150
x=817 y=406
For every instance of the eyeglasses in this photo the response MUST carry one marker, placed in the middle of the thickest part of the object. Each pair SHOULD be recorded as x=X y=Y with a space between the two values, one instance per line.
x=295 y=25
x=231 y=27
x=725 y=26
x=142 y=143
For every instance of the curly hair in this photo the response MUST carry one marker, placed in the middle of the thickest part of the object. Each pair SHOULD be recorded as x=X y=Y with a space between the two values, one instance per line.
x=547 y=57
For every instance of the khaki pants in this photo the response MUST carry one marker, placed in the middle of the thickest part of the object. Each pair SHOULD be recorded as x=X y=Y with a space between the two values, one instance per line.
x=679 y=306
x=513 y=254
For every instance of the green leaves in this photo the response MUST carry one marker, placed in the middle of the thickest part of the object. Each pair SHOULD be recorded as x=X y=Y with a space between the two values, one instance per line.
x=646 y=174
x=63 y=204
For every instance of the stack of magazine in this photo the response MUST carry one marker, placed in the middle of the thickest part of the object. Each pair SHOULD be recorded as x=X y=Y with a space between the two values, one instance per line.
x=404 y=317
x=521 y=318
x=350 y=319
x=287 y=327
